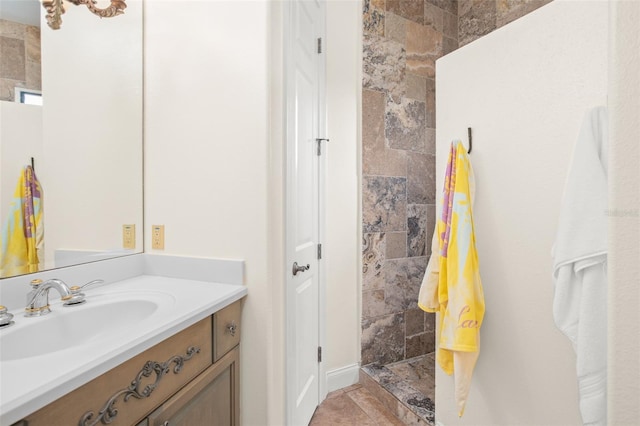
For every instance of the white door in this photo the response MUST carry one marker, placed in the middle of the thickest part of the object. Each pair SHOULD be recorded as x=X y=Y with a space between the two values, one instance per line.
x=305 y=119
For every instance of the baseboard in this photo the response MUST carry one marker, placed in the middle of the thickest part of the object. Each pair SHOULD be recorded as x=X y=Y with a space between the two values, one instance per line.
x=343 y=377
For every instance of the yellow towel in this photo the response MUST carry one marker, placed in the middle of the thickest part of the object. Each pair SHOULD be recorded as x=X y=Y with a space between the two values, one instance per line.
x=23 y=232
x=452 y=285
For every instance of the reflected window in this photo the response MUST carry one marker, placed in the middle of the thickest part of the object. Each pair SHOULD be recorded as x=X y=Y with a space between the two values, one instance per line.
x=29 y=97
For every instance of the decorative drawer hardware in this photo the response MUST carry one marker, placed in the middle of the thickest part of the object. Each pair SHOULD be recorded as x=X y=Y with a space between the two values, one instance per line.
x=226 y=329
x=109 y=412
x=232 y=328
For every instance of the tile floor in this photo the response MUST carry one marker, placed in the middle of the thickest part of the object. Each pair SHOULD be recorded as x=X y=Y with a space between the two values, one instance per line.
x=353 y=406
x=395 y=394
x=418 y=373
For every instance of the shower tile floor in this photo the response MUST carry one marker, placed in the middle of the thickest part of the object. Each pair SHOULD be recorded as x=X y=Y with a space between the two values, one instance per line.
x=419 y=373
x=401 y=393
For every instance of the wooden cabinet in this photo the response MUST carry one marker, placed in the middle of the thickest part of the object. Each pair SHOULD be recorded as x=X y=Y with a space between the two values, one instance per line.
x=191 y=378
x=211 y=399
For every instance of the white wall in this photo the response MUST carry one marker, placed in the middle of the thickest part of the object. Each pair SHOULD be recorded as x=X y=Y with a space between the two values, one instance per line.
x=91 y=169
x=524 y=90
x=206 y=144
x=213 y=168
x=343 y=245
x=20 y=139
x=624 y=209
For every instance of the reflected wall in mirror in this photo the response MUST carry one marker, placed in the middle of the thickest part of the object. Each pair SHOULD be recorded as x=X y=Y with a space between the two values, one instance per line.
x=20 y=47
x=85 y=139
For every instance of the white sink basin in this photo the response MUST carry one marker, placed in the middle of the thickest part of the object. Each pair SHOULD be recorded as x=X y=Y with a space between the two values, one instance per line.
x=67 y=327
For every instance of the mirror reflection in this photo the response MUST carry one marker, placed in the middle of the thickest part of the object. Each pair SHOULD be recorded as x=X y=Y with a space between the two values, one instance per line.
x=70 y=168
x=20 y=63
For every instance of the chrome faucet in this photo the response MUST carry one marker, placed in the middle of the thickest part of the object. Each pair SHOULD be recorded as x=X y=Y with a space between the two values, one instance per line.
x=38 y=304
x=38 y=297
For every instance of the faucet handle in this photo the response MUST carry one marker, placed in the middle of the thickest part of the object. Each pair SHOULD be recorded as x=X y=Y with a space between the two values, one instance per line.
x=35 y=283
x=77 y=296
x=5 y=317
x=93 y=282
x=76 y=289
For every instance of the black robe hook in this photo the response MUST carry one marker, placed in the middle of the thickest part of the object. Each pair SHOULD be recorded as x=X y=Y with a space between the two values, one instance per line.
x=470 y=140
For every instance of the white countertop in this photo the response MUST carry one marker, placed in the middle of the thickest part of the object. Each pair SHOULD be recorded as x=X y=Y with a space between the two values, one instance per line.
x=29 y=384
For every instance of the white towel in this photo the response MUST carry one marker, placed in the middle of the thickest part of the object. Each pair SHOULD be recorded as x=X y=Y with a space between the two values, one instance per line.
x=580 y=265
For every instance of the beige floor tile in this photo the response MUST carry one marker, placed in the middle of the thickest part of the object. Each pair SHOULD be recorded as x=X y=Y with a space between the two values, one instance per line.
x=340 y=410
x=374 y=408
x=388 y=400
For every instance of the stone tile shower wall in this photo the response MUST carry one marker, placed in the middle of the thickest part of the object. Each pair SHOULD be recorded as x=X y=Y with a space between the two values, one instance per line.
x=402 y=40
x=480 y=17
x=19 y=58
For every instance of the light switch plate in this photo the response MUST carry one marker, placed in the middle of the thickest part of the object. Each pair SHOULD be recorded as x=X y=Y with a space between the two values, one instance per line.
x=157 y=237
x=129 y=236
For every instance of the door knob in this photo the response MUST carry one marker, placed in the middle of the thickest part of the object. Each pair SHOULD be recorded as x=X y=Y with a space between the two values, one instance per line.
x=297 y=268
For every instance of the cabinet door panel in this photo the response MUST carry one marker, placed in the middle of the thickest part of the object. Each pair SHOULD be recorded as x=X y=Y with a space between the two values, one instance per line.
x=211 y=399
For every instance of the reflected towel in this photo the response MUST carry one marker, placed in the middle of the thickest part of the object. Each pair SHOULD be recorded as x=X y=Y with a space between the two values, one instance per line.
x=23 y=231
x=452 y=285
x=580 y=265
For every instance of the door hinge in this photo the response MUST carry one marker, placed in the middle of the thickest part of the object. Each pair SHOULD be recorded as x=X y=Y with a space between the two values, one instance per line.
x=319 y=353
x=319 y=45
x=319 y=251
x=319 y=142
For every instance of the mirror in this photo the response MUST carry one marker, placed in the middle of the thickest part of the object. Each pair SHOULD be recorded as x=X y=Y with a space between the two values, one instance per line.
x=85 y=139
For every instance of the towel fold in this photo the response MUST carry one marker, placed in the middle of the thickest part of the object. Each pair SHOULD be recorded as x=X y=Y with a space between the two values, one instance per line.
x=452 y=284
x=22 y=249
x=580 y=265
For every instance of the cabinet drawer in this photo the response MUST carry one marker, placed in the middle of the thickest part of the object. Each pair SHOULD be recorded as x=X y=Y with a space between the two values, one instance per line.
x=121 y=391
x=226 y=329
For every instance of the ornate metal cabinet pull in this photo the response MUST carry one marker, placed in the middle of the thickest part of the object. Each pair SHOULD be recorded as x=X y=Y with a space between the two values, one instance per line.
x=231 y=328
x=109 y=412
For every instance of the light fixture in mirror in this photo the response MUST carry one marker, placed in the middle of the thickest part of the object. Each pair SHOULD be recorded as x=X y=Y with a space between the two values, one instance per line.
x=55 y=10
x=86 y=138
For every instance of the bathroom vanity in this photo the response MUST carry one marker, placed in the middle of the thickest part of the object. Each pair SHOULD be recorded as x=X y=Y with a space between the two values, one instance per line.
x=148 y=350
x=193 y=377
